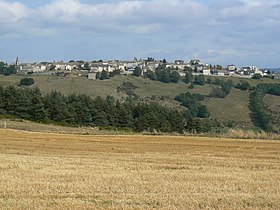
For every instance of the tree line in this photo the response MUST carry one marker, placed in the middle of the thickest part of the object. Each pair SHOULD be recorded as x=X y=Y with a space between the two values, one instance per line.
x=6 y=69
x=81 y=110
x=163 y=74
x=110 y=113
x=260 y=115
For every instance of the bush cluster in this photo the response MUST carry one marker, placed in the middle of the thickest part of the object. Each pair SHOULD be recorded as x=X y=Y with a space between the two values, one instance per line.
x=258 y=107
x=81 y=110
x=163 y=74
x=192 y=102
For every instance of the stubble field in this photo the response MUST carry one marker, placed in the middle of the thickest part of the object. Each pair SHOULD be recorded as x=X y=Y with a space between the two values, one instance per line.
x=62 y=171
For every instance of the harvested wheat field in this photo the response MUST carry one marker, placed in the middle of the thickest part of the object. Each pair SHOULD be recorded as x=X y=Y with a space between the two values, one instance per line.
x=57 y=171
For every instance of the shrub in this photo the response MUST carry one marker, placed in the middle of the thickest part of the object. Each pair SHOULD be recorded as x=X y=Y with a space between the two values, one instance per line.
x=199 y=80
x=257 y=76
x=27 y=81
x=174 y=77
x=243 y=85
x=137 y=71
x=191 y=86
x=217 y=93
x=188 y=77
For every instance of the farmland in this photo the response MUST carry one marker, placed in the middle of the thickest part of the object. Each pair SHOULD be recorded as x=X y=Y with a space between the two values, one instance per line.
x=62 y=171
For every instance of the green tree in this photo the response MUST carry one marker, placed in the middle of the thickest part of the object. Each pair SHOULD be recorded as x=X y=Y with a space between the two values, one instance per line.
x=163 y=75
x=104 y=75
x=23 y=106
x=257 y=76
x=243 y=85
x=86 y=66
x=57 y=108
x=38 y=110
x=174 y=77
x=125 y=114
x=260 y=115
x=137 y=71
x=188 y=77
x=187 y=68
x=11 y=96
x=27 y=81
x=209 y=80
x=202 y=112
x=99 y=114
x=191 y=86
x=226 y=87
x=9 y=70
x=80 y=107
x=2 y=67
x=2 y=106
x=151 y=75
x=199 y=80
x=114 y=73
x=217 y=93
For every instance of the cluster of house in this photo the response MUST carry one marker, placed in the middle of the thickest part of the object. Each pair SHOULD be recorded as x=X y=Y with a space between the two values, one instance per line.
x=96 y=66
x=127 y=67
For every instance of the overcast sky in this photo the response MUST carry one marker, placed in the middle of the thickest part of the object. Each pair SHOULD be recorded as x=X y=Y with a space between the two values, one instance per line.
x=241 y=32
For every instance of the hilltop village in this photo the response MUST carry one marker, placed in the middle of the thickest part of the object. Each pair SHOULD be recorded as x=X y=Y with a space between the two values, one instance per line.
x=192 y=102
x=94 y=68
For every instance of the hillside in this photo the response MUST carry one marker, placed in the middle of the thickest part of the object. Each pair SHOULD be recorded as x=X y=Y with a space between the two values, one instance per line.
x=233 y=108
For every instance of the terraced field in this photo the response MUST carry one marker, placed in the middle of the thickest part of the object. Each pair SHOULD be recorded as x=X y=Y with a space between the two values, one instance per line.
x=63 y=171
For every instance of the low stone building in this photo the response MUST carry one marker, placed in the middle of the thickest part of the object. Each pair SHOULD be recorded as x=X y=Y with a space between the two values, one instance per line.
x=92 y=75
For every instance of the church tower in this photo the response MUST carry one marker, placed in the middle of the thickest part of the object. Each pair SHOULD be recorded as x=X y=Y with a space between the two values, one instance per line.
x=17 y=62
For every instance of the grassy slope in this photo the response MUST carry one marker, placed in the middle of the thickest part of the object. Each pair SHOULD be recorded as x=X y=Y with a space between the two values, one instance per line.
x=253 y=82
x=51 y=171
x=233 y=107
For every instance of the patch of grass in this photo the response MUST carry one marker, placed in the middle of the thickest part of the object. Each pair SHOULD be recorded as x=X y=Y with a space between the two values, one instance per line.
x=93 y=88
x=10 y=80
x=252 y=82
x=249 y=134
x=235 y=107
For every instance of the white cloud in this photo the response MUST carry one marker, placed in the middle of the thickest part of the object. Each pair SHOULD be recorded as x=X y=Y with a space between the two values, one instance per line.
x=142 y=16
x=170 y=13
x=137 y=16
x=231 y=27
x=12 y=12
x=62 y=10
x=10 y=36
x=227 y=56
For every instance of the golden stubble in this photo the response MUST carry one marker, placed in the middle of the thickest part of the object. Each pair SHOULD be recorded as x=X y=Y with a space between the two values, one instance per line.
x=60 y=171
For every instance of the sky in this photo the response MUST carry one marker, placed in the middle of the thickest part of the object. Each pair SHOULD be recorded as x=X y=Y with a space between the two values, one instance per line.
x=240 y=32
